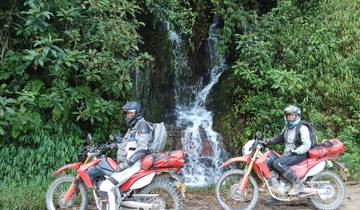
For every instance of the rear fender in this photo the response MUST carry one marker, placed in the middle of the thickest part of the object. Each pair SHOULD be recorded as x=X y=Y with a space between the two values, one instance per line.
x=344 y=171
x=328 y=161
x=74 y=166
x=320 y=166
x=245 y=159
x=127 y=185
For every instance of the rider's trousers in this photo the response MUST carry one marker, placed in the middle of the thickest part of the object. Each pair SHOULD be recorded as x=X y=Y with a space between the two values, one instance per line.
x=282 y=163
x=111 y=184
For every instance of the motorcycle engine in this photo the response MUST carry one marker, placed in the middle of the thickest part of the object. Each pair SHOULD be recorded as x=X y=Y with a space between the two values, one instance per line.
x=283 y=187
x=279 y=186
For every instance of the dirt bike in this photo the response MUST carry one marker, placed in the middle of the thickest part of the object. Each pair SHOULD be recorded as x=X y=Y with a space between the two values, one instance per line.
x=157 y=185
x=238 y=189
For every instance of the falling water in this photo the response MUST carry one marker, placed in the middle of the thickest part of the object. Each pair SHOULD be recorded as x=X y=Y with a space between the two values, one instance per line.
x=199 y=140
x=183 y=88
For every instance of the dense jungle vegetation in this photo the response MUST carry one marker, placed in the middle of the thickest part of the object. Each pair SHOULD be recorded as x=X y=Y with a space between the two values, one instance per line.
x=66 y=67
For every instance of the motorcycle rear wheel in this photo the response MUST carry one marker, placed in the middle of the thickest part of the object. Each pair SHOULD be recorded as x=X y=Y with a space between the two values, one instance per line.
x=169 y=196
x=335 y=191
x=228 y=193
x=57 y=190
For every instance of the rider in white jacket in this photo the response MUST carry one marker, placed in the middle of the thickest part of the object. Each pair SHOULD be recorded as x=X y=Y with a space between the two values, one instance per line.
x=297 y=144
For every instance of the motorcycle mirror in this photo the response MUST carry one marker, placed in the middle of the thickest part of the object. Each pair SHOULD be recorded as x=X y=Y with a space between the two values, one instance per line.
x=257 y=135
x=111 y=137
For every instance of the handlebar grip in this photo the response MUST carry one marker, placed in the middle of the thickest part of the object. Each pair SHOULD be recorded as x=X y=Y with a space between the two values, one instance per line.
x=263 y=142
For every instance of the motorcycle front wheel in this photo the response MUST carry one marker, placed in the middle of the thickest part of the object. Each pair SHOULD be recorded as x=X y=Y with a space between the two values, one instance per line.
x=333 y=192
x=228 y=194
x=57 y=190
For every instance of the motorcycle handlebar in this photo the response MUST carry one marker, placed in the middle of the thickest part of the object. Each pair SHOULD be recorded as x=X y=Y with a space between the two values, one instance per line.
x=108 y=146
x=96 y=150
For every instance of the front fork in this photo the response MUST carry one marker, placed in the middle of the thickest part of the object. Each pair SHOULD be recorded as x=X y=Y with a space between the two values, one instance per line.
x=70 y=192
x=243 y=182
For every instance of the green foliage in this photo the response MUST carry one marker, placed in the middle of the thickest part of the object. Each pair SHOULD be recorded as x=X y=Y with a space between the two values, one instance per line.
x=37 y=17
x=26 y=165
x=351 y=135
x=180 y=13
x=64 y=71
x=23 y=195
x=58 y=70
x=40 y=153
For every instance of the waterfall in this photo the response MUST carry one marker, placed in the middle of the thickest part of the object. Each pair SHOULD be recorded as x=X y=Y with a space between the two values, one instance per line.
x=200 y=141
x=183 y=88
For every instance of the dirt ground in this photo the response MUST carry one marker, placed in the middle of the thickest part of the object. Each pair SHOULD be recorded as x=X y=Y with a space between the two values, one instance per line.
x=207 y=201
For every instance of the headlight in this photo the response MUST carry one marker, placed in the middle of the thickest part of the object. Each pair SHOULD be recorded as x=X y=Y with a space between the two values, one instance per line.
x=246 y=148
x=243 y=150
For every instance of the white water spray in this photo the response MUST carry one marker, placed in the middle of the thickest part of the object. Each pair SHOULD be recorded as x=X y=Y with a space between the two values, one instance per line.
x=199 y=140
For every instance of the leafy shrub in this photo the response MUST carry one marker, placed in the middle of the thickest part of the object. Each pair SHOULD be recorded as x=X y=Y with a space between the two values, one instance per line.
x=24 y=194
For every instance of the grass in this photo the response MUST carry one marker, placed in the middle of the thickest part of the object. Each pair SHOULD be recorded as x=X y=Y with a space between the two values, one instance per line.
x=352 y=161
x=23 y=194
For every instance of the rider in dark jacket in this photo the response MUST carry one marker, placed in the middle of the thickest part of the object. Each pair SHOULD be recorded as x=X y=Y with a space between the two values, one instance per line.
x=135 y=143
x=296 y=147
x=132 y=148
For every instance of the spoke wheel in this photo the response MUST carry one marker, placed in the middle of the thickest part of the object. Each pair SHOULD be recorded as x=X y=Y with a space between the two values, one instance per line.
x=332 y=194
x=57 y=190
x=229 y=195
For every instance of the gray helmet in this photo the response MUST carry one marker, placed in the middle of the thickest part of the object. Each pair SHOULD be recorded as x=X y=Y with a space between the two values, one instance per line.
x=291 y=109
x=132 y=106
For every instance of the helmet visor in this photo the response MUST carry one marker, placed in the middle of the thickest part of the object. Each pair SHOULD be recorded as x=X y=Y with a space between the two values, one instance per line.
x=290 y=116
x=289 y=113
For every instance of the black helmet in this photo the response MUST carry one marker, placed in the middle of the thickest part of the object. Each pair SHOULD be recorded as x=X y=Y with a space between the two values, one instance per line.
x=132 y=106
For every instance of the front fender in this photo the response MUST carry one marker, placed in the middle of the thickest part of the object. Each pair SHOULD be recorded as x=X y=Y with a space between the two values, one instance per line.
x=245 y=159
x=74 y=166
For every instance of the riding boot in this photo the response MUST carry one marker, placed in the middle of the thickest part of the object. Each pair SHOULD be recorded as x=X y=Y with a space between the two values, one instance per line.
x=104 y=200
x=107 y=195
x=105 y=206
x=297 y=185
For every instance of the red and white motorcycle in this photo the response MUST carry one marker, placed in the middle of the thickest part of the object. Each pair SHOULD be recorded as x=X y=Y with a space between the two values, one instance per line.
x=237 y=189
x=156 y=185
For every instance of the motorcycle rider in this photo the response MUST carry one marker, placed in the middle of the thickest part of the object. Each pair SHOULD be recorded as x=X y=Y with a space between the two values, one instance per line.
x=132 y=148
x=296 y=147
